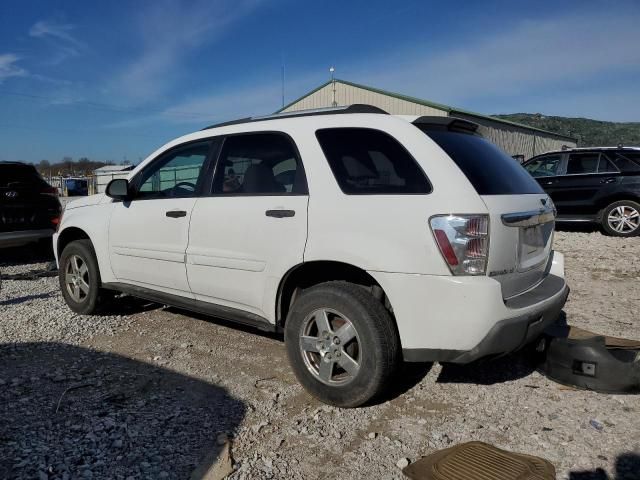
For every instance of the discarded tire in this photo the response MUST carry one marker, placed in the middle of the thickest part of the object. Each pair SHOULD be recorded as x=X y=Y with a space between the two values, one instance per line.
x=599 y=363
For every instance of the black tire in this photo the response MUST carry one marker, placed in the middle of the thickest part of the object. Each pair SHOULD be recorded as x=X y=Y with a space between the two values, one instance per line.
x=376 y=341
x=613 y=211
x=94 y=298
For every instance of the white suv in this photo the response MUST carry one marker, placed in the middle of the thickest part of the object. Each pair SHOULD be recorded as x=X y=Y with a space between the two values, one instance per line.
x=366 y=238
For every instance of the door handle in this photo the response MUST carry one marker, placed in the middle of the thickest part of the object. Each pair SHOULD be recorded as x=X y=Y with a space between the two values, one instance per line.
x=550 y=182
x=608 y=180
x=280 y=213
x=176 y=213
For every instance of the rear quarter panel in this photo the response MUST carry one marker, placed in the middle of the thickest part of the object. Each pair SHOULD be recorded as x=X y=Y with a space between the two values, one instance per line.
x=388 y=233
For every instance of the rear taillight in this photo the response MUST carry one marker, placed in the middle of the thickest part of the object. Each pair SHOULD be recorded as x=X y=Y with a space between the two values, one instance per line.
x=463 y=241
x=49 y=190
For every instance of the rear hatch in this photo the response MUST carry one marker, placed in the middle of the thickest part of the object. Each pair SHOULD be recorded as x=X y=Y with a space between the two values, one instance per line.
x=27 y=202
x=522 y=216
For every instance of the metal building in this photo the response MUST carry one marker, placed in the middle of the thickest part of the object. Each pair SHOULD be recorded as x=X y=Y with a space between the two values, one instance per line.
x=520 y=141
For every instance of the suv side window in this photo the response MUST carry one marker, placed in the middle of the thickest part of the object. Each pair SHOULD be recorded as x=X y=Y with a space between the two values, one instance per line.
x=626 y=161
x=581 y=163
x=546 y=166
x=606 y=165
x=259 y=164
x=175 y=174
x=366 y=161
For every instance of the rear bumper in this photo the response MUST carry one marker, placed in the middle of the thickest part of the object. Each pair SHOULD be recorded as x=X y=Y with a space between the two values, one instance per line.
x=506 y=336
x=462 y=319
x=14 y=239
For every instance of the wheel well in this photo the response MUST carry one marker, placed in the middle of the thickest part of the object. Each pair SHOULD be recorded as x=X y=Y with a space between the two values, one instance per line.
x=69 y=235
x=309 y=274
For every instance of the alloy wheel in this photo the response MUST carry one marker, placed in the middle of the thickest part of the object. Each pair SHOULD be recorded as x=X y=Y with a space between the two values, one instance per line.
x=76 y=278
x=624 y=219
x=330 y=347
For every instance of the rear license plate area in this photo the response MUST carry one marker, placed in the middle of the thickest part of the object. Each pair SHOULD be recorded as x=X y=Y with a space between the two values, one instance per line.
x=534 y=246
x=16 y=218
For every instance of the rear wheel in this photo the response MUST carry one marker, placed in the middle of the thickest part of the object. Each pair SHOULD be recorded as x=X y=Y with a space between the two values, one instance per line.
x=342 y=344
x=622 y=219
x=79 y=278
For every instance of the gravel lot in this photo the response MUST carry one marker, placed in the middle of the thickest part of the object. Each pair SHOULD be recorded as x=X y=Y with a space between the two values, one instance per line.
x=145 y=392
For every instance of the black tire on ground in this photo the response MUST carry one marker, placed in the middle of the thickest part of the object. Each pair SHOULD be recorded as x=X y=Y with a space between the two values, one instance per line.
x=94 y=297
x=377 y=346
x=615 y=210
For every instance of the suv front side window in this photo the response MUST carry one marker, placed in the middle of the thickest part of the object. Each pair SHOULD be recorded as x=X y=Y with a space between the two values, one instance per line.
x=259 y=164
x=546 y=166
x=175 y=175
x=582 y=163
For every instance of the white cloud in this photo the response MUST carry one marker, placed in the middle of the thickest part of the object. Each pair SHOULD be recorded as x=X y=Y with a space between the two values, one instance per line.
x=211 y=108
x=8 y=67
x=528 y=57
x=169 y=33
x=540 y=66
x=60 y=37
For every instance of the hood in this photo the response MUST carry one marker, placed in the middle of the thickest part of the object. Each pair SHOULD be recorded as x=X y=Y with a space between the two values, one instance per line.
x=86 y=201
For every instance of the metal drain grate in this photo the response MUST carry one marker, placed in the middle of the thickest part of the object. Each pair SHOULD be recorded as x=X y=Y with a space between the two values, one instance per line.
x=479 y=461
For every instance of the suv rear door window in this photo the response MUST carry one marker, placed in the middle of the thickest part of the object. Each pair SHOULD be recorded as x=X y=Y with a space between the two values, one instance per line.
x=626 y=161
x=365 y=161
x=259 y=164
x=582 y=163
x=546 y=166
x=606 y=165
x=489 y=169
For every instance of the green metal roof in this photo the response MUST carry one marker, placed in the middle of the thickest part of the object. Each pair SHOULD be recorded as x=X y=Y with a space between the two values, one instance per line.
x=426 y=103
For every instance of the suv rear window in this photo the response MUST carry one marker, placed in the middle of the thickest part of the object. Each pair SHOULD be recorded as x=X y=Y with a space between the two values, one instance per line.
x=365 y=161
x=16 y=173
x=490 y=170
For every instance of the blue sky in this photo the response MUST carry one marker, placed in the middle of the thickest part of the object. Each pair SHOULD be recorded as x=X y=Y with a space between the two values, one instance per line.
x=115 y=80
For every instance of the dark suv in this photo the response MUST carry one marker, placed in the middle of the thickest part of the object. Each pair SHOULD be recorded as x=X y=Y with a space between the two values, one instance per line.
x=29 y=206
x=599 y=185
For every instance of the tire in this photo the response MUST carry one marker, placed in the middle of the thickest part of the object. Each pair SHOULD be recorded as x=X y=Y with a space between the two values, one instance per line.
x=357 y=367
x=621 y=219
x=78 y=260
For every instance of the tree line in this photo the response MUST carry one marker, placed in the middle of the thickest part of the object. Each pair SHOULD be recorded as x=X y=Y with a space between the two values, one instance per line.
x=68 y=167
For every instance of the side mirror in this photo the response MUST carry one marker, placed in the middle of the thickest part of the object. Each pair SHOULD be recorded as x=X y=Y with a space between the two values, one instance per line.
x=118 y=189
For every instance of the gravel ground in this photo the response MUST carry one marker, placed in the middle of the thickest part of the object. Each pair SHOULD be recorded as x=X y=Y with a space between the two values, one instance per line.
x=145 y=393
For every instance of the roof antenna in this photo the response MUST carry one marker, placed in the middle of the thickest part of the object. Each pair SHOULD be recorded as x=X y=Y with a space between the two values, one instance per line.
x=282 y=72
x=333 y=83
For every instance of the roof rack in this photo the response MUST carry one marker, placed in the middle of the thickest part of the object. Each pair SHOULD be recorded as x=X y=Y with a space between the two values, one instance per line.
x=355 y=108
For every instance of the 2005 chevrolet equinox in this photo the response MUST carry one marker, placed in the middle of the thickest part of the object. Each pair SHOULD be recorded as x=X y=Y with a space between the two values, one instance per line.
x=367 y=238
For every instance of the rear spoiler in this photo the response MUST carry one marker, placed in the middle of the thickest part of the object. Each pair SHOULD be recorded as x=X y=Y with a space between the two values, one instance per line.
x=453 y=124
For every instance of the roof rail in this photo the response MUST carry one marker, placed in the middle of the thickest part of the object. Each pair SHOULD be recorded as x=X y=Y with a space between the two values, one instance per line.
x=355 y=108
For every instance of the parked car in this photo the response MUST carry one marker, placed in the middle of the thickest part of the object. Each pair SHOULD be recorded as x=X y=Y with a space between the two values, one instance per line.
x=76 y=187
x=598 y=185
x=391 y=238
x=29 y=206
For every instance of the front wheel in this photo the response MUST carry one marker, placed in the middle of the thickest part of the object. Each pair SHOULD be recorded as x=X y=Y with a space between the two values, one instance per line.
x=622 y=219
x=79 y=278
x=342 y=344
